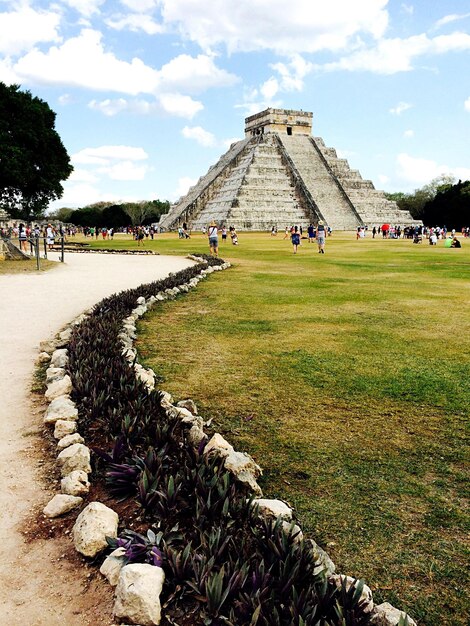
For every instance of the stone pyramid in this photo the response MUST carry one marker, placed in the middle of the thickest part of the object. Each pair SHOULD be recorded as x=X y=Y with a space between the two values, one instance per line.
x=280 y=175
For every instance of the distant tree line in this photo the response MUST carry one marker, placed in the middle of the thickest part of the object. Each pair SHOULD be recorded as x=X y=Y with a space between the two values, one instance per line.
x=441 y=202
x=101 y=214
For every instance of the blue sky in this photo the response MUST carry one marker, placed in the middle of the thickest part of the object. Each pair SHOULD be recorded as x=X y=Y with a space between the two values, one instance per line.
x=149 y=93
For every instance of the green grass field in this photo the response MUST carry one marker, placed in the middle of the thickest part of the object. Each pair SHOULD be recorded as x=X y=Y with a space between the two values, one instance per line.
x=346 y=376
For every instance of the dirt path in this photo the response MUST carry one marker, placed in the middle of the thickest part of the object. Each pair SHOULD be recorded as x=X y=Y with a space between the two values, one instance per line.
x=44 y=582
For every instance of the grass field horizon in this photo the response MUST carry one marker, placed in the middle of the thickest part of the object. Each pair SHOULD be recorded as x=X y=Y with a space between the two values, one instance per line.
x=346 y=376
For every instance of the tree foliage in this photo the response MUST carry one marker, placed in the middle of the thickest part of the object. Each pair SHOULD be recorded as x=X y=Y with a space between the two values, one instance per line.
x=33 y=160
x=416 y=201
x=450 y=206
x=107 y=214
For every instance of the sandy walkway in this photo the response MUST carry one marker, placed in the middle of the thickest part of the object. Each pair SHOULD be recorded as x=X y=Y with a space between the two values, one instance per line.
x=38 y=584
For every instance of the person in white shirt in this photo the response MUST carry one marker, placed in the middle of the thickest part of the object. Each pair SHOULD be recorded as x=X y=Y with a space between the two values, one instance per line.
x=213 y=238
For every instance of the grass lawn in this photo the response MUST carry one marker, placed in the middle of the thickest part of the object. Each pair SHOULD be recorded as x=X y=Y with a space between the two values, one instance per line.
x=346 y=376
x=25 y=266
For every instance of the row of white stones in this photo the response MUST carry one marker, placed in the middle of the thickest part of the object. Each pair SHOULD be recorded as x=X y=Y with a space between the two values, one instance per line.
x=138 y=586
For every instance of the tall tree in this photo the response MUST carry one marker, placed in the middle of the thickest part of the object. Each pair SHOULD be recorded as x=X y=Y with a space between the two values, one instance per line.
x=33 y=160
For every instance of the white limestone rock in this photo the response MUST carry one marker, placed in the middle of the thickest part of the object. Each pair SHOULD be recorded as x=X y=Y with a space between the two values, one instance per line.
x=292 y=529
x=112 y=566
x=245 y=470
x=60 y=387
x=323 y=563
x=69 y=440
x=195 y=435
x=64 y=427
x=79 y=319
x=93 y=525
x=59 y=358
x=61 y=504
x=218 y=445
x=189 y=405
x=387 y=615
x=47 y=346
x=54 y=373
x=61 y=408
x=166 y=399
x=129 y=354
x=137 y=598
x=366 y=595
x=75 y=484
x=141 y=300
x=75 y=457
x=64 y=338
x=273 y=508
x=44 y=357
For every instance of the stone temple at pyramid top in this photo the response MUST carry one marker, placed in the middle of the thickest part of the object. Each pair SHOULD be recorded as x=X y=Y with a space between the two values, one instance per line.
x=281 y=121
x=279 y=175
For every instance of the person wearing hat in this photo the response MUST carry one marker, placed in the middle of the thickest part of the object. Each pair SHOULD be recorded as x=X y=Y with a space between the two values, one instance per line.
x=321 y=237
x=213 y=238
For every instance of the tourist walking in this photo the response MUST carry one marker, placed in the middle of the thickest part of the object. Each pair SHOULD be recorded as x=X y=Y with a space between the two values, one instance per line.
x=213 y=239
x=295 y=238
x=321 y=237
x=50 y=236
x=22 y=236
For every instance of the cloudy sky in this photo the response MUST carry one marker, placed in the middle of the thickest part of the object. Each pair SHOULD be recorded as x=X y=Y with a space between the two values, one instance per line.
x=149 y=93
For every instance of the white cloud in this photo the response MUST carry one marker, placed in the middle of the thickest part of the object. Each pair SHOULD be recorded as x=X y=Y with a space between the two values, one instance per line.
x=81 y=194
x=135 y=22
x=383 y=179
x=85 y=7
x=390 y=56
x=203 y=137
x=272 y=25
x=448 y=19
x=124 y=170
x=466 y=104
x=82 y=176
x=409 y=133
x=181 y=106
x=104 y=155
x=83 y=62
x=65 y=99
x=184 y=184
x=420 y=171
x=226 y=143
x=172 y=104
x=269 y=89
x=400 y=107
x=140 y=5
x=407 y=8
x=193 y=74
x=23 y=28
x=292 y=74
